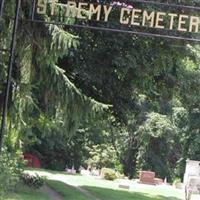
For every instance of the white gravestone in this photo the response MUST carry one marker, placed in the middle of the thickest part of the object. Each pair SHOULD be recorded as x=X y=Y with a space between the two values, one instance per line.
x=192 y=169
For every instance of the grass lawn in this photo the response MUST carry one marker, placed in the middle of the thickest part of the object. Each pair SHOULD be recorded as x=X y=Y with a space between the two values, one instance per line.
x=66 y=192
x=69 y=193
x=27 y=194
x=109 y=194
x=106 y=190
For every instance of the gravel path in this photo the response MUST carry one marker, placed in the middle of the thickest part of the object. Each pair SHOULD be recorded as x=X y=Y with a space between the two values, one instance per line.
x=86 y=193
x=53 y=195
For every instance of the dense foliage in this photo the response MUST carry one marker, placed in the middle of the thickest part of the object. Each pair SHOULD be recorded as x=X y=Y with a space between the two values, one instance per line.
x=11 y=168
x=149 y=113
x=33 y=181
x=108 y=174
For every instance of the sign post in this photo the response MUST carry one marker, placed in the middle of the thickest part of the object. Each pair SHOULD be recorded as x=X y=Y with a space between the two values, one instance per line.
x=9 y=73
x=1 y=7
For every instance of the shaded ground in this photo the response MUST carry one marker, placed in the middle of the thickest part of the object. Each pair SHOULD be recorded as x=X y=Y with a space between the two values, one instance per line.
x=27 y=194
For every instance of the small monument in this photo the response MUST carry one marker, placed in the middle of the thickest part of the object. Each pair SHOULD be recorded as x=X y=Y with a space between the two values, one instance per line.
x=70 y=171
x=192 y=169
x=147 y=177
x=192 y=179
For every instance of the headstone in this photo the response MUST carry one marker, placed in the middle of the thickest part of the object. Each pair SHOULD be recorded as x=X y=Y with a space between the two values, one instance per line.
x=158 y=181
x=147 y=177
x=95 y=172
x=124 y=186
x=165 y=181
x=71 y=171
x=85 y=172
x=192 y=169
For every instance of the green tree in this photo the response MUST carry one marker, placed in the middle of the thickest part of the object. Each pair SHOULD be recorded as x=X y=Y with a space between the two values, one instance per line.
x=158 y=145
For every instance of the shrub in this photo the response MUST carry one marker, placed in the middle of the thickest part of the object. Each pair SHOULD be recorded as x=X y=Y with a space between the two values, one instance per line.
x=11 y=166
x=108 y=174
x=33 y=181
x=176 y=181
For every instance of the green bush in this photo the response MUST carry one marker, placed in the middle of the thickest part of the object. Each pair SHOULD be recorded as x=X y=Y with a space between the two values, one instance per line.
x=108 y=174
x=33 y=181
x=176 y=181
x=11 y=166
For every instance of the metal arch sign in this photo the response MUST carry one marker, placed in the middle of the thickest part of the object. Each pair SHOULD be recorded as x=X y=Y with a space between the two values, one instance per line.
x=128 y=15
